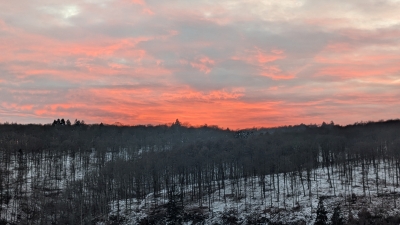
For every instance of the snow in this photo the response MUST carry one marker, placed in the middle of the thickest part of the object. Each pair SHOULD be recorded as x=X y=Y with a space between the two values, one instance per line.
x=244 y=201
x=293 y=206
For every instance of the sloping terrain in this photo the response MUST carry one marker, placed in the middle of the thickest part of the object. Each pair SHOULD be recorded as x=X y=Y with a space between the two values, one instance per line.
x=247 y=203
x=96 y=174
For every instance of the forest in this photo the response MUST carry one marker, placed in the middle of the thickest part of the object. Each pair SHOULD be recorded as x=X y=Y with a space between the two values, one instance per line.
x=78 y=173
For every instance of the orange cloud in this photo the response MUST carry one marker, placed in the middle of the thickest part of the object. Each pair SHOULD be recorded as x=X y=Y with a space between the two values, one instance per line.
x=226 y=108
x=139 y=106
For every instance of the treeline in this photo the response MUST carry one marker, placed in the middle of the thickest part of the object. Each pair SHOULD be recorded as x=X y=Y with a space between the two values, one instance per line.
x=67 y=122
x=71 y=174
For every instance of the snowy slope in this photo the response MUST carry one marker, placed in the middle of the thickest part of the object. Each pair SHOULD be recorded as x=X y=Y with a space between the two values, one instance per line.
x=246 y=204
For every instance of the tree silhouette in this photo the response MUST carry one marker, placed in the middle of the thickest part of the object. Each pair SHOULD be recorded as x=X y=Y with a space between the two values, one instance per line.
x=321 y=214
x=337 y=218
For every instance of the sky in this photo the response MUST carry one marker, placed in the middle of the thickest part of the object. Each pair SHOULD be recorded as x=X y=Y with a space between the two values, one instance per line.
x=231 y=63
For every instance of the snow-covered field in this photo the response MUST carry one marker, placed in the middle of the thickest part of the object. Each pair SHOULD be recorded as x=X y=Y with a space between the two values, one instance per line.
x=245 y=203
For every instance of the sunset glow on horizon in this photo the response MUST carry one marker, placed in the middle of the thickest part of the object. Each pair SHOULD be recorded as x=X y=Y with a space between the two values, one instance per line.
x=231 y=63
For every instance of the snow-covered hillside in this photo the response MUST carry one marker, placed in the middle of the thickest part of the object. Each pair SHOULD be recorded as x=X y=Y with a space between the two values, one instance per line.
x=245 y=203
x=176 y=175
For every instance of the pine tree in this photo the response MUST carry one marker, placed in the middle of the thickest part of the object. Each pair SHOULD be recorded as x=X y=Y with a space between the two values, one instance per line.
x=77 y=122
x=337 y=218
x=174 y=211
x=321 y=214
x=350 y=219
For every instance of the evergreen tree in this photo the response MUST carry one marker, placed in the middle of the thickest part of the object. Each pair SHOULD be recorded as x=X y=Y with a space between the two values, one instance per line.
x=177 y=123
x=350 y=219
x=337 y=218
x=77 y=122
x=174 y=211
x=321 y=214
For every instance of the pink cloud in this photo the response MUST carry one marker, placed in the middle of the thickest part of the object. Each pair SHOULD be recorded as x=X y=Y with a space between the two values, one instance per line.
x=148 y=11
x=193 y=95
x=4 y=26
x=203 y=64
x=264 y=61
x=139 y=2
x=149 y=105
x=258 y=56
x=327 y=22
x=343 y=61
x=17 y=107
x=265 y=58
x=279 y=76
x=141 y=105
x=126 y=61
x=354 y=72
